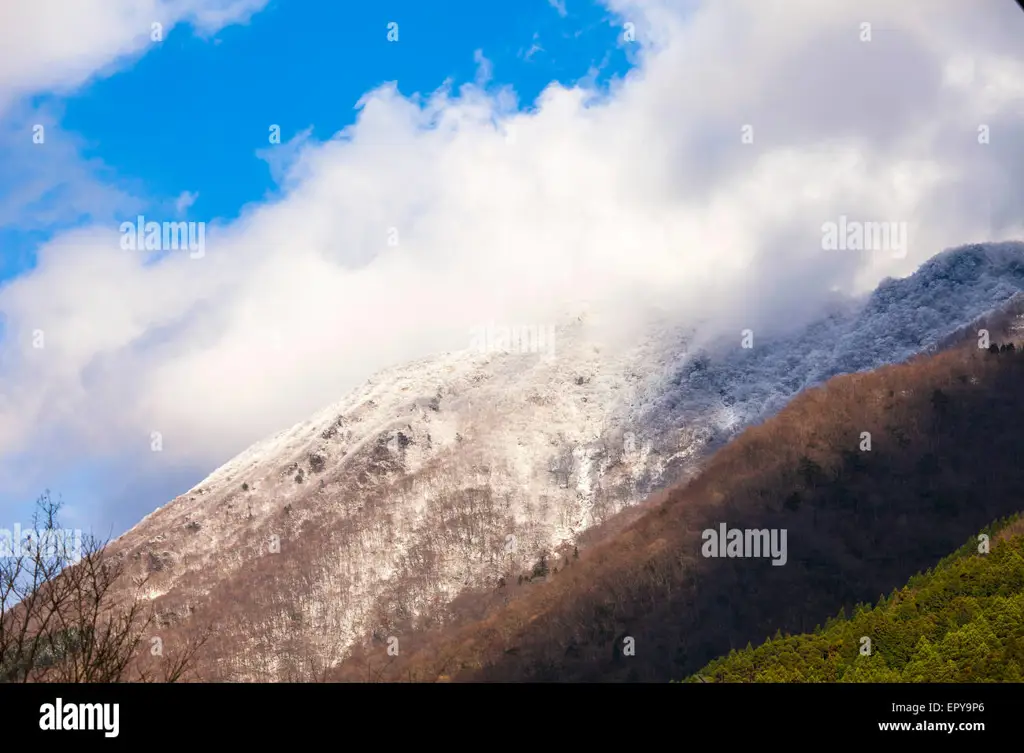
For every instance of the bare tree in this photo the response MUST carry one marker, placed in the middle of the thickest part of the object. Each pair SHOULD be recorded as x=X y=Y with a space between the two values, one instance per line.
x=66 y=614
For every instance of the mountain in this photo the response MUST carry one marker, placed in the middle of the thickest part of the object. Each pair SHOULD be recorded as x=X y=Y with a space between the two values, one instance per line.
x=446 y=478
x=846 y=493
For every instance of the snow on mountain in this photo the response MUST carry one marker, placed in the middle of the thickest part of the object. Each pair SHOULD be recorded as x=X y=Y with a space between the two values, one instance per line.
x=899 y=319
x=457 y=471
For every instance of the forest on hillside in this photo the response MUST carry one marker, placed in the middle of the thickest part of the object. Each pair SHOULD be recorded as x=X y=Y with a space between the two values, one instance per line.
x=962 y=621
x=875 y=476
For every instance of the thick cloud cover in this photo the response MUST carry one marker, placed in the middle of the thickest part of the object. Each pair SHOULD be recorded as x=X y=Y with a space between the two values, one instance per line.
x=647 y=196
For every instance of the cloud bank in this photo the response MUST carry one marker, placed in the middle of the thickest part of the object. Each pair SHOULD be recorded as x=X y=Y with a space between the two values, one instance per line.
x=699 y=184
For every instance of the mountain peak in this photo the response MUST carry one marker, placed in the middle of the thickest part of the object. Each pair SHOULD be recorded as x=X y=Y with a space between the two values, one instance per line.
x=440 y=477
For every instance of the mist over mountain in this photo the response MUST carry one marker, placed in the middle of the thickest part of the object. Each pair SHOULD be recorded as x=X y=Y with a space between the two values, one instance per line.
x=725 y=387
x=693 y=175
x=442 y=476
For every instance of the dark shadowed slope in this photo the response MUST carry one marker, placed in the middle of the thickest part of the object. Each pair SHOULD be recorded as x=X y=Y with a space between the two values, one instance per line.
x=946 y=457
x=962 y=621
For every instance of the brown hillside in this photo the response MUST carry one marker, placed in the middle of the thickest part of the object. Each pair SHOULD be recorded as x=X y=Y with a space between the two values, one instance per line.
x=946 y=458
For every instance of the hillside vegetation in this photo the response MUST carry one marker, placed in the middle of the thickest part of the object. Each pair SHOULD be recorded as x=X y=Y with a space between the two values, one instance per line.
x=874 y=477
x=962 y=621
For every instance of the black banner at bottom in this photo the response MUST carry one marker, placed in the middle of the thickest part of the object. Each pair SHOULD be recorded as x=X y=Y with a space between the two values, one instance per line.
x=123 y=716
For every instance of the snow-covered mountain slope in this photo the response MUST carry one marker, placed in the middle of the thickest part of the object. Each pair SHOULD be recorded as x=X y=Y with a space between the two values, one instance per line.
x=898 y=320
x=457 y=471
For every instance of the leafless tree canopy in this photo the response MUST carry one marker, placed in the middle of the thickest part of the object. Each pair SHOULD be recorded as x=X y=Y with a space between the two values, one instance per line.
x=60 y=620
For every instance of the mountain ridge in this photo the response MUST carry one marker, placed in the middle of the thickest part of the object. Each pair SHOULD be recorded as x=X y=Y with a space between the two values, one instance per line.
x=412 y=485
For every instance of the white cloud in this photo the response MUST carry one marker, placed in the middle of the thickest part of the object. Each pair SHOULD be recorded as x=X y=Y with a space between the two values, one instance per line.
x=648 y=198
x=184 y=201
x=57 y=45
x=484 y=68
x=46 y=184
x=559 y=5
x=533 y=49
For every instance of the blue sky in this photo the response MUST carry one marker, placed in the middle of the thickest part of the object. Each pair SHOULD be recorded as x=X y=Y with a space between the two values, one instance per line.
x=628 y=185
x=190 y=116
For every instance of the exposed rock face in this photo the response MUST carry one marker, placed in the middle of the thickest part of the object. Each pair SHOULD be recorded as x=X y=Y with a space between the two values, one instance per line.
x=454 y=472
